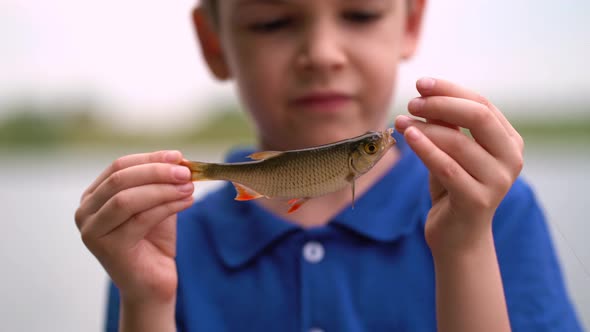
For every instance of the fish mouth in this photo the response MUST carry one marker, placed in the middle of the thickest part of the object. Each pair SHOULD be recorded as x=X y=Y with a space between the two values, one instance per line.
x=387 y=138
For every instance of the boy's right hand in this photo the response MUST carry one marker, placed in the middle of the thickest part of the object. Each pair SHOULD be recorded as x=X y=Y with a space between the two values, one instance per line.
x=127 y=219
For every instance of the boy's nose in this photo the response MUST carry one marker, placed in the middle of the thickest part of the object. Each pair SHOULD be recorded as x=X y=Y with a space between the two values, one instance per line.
x=321 y=49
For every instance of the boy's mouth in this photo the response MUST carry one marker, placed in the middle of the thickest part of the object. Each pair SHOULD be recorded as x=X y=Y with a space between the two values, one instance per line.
x=322 y=101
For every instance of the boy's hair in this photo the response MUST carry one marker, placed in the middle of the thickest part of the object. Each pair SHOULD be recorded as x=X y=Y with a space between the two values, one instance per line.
x=211 y=10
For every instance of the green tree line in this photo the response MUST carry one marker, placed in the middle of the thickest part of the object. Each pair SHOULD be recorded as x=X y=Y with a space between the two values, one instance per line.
x=26 y=127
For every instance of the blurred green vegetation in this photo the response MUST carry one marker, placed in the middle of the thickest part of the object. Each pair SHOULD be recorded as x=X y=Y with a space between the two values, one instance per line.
x=25 y=126
x=570 y=131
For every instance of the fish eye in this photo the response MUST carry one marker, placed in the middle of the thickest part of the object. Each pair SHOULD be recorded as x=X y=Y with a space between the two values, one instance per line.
x=370 y=148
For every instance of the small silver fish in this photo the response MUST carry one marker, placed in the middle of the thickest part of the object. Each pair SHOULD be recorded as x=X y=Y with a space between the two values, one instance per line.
x=299 y=175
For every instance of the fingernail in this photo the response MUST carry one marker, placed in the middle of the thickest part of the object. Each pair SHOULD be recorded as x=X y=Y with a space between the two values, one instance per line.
x=402 y=122
x=187 y=199
x=185 y=188
x=425 y=83
x=172 y=156
x=412 y=133
x=181 y=173
x=416 y=104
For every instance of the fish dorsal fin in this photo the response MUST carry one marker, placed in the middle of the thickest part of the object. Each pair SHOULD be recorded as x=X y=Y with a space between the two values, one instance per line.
x=244 y=193
x=262 y=155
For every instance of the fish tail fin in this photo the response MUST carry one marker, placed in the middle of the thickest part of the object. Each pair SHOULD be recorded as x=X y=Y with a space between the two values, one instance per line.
x=197 y=169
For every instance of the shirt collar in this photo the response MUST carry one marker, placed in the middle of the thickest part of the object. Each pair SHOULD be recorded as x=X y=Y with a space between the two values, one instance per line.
x=241 y=231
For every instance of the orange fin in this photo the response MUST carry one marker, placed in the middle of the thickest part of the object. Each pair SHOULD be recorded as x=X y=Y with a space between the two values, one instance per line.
x=296 y=203
x=264 y=155
x=244 y=193
x=197 y=169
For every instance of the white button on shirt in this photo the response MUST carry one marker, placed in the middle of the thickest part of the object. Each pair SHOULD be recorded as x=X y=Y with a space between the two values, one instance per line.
x=315 y=329
x=313 y=252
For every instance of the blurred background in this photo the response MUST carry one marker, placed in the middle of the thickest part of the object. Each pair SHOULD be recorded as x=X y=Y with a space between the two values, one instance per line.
x=83 y=82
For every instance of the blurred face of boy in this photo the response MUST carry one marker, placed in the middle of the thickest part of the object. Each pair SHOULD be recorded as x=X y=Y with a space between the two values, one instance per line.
x=312 y=72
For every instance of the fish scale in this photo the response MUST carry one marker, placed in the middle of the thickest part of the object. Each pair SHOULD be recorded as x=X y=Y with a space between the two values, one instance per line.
x=290 y=176
x=299 y=174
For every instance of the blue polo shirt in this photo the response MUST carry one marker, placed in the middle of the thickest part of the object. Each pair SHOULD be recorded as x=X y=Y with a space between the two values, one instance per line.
x=243 y=269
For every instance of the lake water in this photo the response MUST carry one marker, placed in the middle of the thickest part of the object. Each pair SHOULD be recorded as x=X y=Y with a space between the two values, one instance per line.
x=49 y=281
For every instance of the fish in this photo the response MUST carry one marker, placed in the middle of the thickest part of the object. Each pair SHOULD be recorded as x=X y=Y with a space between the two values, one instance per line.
x=299 y=175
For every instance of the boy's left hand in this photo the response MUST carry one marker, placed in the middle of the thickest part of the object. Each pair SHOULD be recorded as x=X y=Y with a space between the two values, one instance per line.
x=469 y=177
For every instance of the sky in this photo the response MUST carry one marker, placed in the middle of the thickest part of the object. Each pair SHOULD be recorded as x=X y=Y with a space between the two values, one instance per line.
x=139 y=59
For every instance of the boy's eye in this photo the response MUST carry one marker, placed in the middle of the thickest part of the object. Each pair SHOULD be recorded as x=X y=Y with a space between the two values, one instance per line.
x=270 y=25
x=361 y=16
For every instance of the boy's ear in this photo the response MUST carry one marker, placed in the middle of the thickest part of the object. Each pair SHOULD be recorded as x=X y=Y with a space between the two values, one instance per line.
x=210 y=44
x=413 y=27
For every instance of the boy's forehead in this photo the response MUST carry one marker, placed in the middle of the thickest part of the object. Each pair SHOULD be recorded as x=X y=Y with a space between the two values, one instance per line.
x=243 y=2
x=247 y=2
x=212 y=7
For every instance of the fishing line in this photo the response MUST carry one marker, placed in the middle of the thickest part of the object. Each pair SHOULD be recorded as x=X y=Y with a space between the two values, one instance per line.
x=570 y=247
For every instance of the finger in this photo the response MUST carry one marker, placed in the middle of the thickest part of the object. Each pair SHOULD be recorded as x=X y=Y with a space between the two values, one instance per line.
x=139 y=225
x=132 y=201
x=509 y=128
x=428 y=86
x=134 y=176
x=165 y=156
x=444 y=124
x=468 y=154
x=446 y=170
x=479 y=119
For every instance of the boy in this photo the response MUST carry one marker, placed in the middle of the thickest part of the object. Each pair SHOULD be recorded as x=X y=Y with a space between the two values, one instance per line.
x=417 y=253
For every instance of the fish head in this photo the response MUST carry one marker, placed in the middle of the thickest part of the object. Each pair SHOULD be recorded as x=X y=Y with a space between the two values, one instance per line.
x=368 y=149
